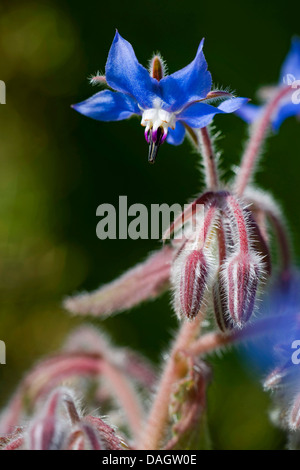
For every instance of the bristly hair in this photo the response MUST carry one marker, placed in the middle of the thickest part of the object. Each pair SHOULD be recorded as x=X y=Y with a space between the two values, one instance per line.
x=97 y=79
x=162 y=61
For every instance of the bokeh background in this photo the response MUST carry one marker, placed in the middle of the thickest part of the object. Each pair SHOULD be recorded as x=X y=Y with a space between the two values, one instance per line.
x=58 y=166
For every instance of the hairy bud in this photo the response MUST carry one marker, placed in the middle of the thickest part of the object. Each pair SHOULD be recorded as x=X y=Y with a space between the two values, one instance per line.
x=157 y=67
x=192 y=276
x=241 y=276
x=220 y=305
x=46 y=434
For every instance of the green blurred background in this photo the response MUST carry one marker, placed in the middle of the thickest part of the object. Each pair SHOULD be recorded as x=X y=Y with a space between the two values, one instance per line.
x=58 y=166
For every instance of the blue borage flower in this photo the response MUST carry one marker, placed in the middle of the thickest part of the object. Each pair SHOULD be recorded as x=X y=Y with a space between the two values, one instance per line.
x=289 y=105
x=166 y=104
x=281 y=303
x=275 y=350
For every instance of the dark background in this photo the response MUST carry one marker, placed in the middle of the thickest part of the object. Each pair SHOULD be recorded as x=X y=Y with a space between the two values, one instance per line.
x=58 y=166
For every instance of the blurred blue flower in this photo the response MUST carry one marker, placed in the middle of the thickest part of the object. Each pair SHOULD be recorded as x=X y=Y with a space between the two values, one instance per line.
x=290 y=104
x=277 y=352
x=272 y=351
x=166 y=104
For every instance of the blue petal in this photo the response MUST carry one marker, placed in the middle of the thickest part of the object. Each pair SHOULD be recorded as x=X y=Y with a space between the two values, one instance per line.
x=291 y=65
x=108 y=106
x=233 y=104
x=249 y=112
x=188 y=84
x=176 y=136
x=125 y=74
x=284 y=112
x=199 y=115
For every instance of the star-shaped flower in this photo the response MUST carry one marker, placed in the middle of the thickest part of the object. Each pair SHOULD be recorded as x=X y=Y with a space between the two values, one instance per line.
x=289 y=105
x=166 y=104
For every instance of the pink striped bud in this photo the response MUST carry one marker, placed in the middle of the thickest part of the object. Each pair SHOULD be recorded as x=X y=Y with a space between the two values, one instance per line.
x=220 y=305
x=190 y=283
x=48 y=430
x=107 y=434
x=92 y=439
x=46 y=434
x=241 y=276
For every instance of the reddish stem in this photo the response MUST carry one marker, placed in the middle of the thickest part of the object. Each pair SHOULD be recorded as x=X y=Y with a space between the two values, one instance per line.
x=207 y=150
x=155 y=428
x=257 y=138
x=240 y=221
x=48 y=374
x=127 y=397
x=189 y=212
x=215 y=340
x=273 y=213
x=283 y=242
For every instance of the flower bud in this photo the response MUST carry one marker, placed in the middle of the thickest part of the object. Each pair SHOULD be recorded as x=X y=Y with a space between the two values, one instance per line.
x=220 y=305
x=48 y=430
x=106 y=433
x=241 y=276
x=193 y=271
x=157 y=67
x=46 y=433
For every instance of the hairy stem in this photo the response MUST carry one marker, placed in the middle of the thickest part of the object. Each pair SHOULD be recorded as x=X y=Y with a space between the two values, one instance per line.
x=256 y=141
x=283 y=243
x=239 y=217
x=126 y=396
x=215 y=340
x=155 y=428
x=202 y=141
x=207 y=150
x=270 y=209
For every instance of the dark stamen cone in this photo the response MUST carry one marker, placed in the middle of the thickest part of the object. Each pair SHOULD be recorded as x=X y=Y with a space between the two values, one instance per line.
x=154 y=144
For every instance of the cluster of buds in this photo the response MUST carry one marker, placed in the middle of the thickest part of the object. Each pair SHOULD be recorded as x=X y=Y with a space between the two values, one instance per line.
x=58 y=425
x=220 y=262
x=100 y=375
x=220 y=266
x=225 y=261
x=45 y=414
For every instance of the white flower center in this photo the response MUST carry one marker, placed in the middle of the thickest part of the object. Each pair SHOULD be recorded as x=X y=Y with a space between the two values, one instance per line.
x=157 y=117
